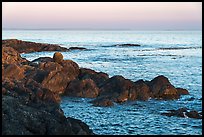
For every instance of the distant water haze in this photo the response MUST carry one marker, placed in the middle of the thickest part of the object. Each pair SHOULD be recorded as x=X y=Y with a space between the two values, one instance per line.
x=102 y=15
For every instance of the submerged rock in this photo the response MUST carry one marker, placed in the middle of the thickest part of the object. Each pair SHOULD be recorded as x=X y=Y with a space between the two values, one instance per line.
x=183 y=112
x=77 y=48
x=128 y=45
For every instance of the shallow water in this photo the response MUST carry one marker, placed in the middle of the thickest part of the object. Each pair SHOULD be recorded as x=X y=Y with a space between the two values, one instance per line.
x=174 y=54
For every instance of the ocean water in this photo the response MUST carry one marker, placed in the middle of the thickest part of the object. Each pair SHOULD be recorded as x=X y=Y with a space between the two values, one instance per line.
x=174 y=54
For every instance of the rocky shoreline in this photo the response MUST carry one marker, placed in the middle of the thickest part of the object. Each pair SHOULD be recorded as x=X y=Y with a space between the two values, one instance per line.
x=31 y=90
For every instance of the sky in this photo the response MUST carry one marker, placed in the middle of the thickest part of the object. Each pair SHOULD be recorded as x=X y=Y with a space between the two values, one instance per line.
x=102 y=15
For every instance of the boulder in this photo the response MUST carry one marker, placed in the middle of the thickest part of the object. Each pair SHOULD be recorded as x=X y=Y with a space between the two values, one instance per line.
x=102 y=102
x=118 y=88
x=82 y=88
x=98 y=77
x=142 y=91
x=58 y=57
x=161 y=88
x=194 y=114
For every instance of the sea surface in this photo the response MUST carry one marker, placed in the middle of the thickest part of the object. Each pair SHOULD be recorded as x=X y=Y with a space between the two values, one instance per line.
x=174 y=54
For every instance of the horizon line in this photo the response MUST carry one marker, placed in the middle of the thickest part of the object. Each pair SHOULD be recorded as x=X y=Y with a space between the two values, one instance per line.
x=102 y=29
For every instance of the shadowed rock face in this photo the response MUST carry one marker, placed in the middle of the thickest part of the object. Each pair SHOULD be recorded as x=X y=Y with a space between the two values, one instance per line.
x=19 y=118
x=161 y=88
x=27 y=47
x=82 y=88
x=98 y=77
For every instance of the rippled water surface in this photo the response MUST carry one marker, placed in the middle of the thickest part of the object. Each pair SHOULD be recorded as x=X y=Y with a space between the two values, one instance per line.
x=174 y=54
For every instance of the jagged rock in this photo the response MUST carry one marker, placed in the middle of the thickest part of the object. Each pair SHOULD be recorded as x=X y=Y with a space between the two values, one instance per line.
x=20 y=118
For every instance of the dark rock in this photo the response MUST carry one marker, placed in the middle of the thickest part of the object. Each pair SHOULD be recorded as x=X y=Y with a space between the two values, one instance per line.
x=161 y=88
x=143 y=91
x=43 y=59
x=194 y=114
x=27 y=47
x=182 y=91
x=183 y=112
x=128 y=45
x=82 y=88
x=19 y=118
x=102 y=102
x=77 y=48
x=98 y=77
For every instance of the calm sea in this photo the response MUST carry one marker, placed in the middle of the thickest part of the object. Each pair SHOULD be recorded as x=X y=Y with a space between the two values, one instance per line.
x=174 y=54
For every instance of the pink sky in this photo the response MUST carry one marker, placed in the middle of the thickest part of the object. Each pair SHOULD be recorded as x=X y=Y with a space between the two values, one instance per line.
x=102 y=15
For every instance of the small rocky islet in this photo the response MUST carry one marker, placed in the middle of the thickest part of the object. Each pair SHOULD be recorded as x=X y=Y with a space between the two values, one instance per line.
x=31 y=91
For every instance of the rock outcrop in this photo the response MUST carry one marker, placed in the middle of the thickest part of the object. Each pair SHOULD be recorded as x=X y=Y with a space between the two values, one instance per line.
x=27 y=47
x=20 y=118
x=30 y=94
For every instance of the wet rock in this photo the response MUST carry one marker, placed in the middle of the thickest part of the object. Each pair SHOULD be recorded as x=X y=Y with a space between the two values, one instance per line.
x=183 y=112
x=27 y=47
x=161 y=88
x=58 y=57
x=82 y=88
x=102 y=102
x=142 y=91
x=43 y=59
x=118 y=88
x=98 y=77
x=194 y=114
x=182 y=91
